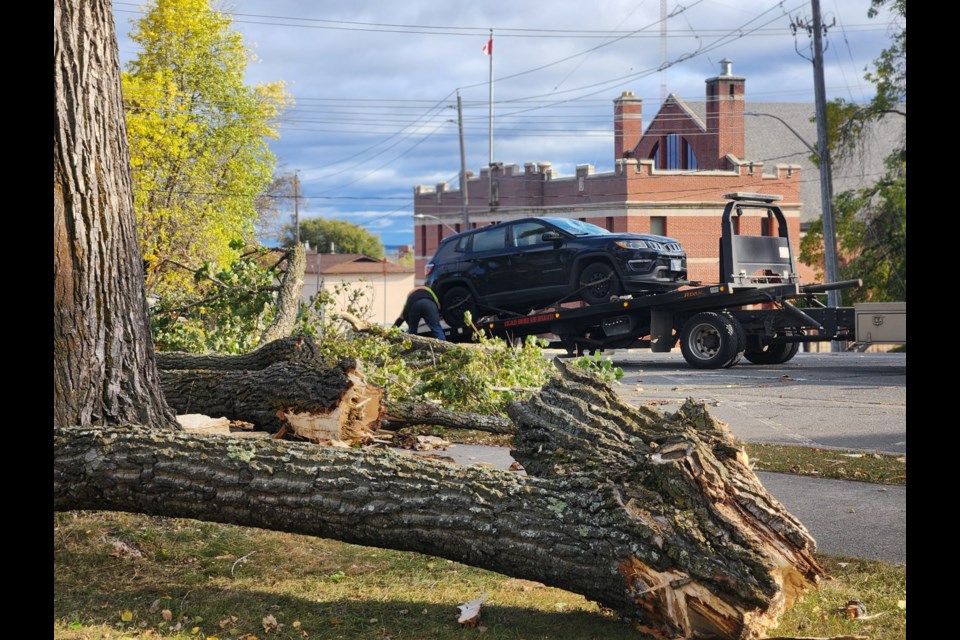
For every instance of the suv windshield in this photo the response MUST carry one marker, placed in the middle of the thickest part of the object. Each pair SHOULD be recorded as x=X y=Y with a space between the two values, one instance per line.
x=578 y=228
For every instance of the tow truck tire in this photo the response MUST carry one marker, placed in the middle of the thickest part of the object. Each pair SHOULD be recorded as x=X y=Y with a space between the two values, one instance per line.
x=455 y=302
x=741 y=336
x=609 y=284
x=709 y=340
x=773 y=353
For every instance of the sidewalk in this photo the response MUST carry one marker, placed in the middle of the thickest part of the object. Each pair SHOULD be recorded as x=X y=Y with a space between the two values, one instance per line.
x=855 y=519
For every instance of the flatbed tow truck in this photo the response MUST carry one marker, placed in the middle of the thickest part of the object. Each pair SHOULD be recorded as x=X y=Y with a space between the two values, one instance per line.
x=749 y=314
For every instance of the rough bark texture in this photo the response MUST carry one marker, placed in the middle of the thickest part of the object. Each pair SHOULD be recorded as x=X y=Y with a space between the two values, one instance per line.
x=658 y=517
x=104 y=370
x=291 y=349
x=288 y=298
x=399 y=415
x=324 y=404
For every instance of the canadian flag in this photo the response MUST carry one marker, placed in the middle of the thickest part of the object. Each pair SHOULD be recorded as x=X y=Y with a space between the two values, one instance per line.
x=488 y=48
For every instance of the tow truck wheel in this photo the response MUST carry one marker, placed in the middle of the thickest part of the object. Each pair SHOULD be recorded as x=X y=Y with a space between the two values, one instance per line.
x=455 y=302
x=773 y=353
x=708 y=340
x=741 y=336
x=599 y=282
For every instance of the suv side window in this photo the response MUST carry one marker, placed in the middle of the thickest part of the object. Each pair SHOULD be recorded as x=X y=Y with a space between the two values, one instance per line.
x=489 y=240
x=525 y=234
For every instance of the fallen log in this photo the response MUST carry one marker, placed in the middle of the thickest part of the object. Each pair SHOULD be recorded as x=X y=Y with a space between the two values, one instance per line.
x=657 y=516
x=397 y=415
x=195 y=384
x=332 y=405
x=290 y=349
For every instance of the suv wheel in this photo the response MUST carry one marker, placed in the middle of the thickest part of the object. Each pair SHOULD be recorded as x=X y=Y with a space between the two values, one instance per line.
x=598 y=282
x=455 y=302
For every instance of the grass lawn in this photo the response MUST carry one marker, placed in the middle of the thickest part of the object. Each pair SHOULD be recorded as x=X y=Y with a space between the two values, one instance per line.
x=123 y=576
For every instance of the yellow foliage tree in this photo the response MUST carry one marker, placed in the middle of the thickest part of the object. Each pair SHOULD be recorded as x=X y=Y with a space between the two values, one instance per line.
x=198 y=138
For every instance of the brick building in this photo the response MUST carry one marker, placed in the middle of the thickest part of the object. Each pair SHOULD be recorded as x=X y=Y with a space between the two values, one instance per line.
x=669 y=180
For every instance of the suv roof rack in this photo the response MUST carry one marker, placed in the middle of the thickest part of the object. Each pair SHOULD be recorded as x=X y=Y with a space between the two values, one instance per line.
x=761 y=197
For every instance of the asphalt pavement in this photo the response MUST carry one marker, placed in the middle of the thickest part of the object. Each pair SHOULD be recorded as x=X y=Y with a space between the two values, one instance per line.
x=831 y=400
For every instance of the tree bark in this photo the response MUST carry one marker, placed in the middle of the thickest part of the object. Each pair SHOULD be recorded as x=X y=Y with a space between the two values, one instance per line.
x=182 y=373
x=288 y=298
x=291 y=349
x=399 y=415
x=104 y=370
x=331 y=405
x=656 y=516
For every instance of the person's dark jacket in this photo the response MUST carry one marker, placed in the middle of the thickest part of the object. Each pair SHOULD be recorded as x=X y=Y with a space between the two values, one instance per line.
x=418 y=293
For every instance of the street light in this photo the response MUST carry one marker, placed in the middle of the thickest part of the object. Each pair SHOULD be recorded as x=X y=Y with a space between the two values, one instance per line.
x=787 y=125
x=424 y=216
x=826 y=206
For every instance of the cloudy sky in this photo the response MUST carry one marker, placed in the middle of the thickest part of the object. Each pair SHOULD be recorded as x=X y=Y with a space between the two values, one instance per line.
x=375 y=82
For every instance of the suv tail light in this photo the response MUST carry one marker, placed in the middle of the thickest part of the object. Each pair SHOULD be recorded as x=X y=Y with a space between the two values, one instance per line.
x=428 y=269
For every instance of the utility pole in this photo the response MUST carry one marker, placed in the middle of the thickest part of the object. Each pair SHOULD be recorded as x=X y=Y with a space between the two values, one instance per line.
x=823 y=151
x=296 y=204
x=464 y=197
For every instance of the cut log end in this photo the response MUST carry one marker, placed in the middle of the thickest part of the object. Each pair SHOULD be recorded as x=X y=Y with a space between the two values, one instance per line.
x=352 y=421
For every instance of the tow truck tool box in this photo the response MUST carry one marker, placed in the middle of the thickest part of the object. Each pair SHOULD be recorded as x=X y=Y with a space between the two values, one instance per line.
x=712 y=323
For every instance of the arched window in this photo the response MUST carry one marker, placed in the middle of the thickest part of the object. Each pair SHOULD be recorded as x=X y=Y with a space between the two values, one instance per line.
x=679 y=153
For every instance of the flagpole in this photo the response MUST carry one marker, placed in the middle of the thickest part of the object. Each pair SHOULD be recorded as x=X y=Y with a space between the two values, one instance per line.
x=491 y=96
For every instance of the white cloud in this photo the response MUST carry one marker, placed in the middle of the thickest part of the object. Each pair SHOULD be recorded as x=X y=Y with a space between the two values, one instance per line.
x=374 y=103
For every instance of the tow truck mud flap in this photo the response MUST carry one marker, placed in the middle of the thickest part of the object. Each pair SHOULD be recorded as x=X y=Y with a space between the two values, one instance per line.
x=617 y=326
x=661 y=330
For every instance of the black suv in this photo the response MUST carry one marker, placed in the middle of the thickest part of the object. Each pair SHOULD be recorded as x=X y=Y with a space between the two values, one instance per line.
x=517 y=266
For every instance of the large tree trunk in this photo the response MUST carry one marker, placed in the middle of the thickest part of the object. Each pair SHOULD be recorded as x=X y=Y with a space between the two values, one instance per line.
x=332 y=404
x=656 y=516
x=212 y=385
x=103 y=360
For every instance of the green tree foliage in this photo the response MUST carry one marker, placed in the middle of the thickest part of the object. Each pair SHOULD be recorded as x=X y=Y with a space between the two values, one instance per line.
x=461 y=378
x=871 y=230
x=226 y=309
x=346 y=237
x=871 y=222
x=198 y=138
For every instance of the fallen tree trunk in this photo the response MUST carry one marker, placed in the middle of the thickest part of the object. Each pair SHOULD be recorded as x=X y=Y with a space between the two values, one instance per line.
x=397 y=415
x=197 y=384
x=289 y=349
x=325 y=405
x=656 y=516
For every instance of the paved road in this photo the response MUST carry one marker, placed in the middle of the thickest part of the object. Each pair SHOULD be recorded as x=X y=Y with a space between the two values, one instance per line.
x=831 y=400
x=845 y=400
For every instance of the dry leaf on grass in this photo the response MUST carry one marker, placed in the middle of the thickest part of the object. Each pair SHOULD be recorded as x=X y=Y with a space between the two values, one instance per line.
x=269 y=623
x=470 y=611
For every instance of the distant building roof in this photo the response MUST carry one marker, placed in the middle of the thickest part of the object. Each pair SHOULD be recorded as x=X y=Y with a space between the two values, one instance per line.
x=769 y=141
x=351 y=264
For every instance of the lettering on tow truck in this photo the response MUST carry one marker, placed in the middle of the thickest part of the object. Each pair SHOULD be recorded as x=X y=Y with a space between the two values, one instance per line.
x=528 y=320
x=693 y=293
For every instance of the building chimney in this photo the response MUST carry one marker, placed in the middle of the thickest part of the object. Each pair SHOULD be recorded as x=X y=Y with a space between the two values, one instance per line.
x=726 y=67
x=627 y=123
x=725 y=96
